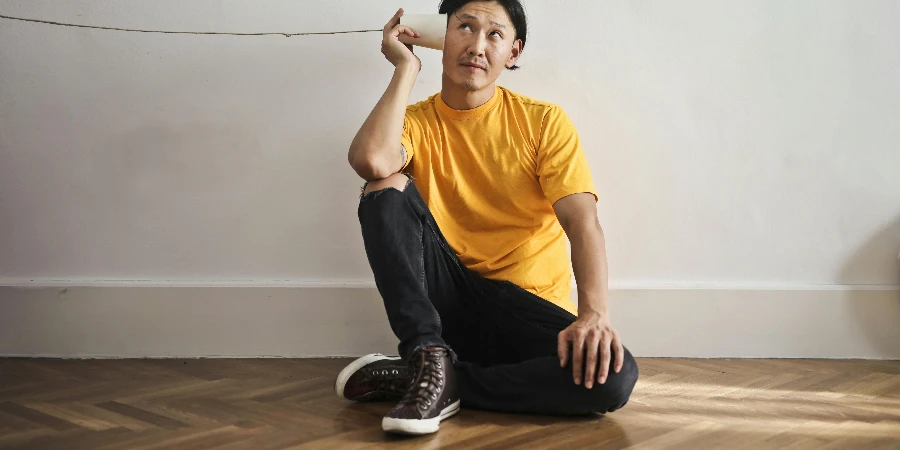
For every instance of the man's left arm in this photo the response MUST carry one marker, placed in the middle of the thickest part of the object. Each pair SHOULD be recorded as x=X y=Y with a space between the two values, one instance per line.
x=592 y=333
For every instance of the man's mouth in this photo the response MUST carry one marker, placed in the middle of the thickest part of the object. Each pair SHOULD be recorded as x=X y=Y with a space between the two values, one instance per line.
x=474 y=66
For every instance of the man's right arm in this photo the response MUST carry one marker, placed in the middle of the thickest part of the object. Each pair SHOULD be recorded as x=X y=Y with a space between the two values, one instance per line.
x=376 y=151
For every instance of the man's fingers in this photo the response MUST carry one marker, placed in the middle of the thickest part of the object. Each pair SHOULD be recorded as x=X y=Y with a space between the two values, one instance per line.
x=604 y=360
x=592 y=341
x=401 y=29
x=562 y=348
x=394 y=21
x=620 y=354
x=578 y=356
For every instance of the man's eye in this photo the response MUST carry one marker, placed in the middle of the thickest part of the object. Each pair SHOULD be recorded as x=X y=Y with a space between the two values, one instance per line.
x=497 y=33
x=465 y=25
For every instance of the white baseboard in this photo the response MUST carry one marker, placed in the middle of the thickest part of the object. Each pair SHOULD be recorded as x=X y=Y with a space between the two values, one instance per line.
x=81 y=319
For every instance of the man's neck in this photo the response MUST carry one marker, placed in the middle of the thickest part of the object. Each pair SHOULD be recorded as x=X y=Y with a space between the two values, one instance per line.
x=463 y=99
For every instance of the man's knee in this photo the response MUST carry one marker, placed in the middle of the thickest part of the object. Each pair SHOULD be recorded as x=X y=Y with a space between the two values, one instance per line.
x=397 y=181
x=613 y=394
x=606 y=397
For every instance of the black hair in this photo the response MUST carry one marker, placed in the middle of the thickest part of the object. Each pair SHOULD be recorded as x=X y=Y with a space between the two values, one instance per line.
x=513 y=7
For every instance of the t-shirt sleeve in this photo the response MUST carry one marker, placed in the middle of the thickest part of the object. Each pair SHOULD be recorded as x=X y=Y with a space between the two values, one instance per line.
x=562 y=167
x=412 y=132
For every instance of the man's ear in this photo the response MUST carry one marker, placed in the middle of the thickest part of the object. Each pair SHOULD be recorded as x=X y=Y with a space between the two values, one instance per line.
x=514 y=53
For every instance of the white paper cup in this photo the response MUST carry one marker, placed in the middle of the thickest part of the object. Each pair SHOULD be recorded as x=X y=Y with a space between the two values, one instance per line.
x=431 y=27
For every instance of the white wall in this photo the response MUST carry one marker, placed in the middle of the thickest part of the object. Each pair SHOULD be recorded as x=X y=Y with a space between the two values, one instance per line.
x=752 y=146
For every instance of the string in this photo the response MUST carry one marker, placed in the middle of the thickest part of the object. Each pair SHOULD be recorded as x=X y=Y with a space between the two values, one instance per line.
x=135 y=30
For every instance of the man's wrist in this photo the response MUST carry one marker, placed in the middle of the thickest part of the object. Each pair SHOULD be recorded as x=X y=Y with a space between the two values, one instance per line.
x=596 y=312
x=592 y=306
x=407 y=69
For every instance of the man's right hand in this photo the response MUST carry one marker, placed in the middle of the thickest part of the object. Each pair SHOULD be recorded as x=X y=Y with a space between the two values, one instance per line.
x=398 y=53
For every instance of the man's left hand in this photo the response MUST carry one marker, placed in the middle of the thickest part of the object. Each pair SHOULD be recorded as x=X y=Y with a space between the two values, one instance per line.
x=594 y=333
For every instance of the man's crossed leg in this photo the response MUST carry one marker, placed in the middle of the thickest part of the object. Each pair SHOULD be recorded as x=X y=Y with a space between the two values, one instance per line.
x=464 y=339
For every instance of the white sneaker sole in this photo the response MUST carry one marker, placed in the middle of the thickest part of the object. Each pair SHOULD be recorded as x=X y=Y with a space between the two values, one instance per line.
x=351 y=368
x=418 y=426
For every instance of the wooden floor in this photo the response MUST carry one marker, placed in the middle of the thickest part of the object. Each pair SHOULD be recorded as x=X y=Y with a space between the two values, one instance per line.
x=273 y=404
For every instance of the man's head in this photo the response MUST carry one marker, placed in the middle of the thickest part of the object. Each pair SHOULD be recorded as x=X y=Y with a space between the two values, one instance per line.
x=483 y=38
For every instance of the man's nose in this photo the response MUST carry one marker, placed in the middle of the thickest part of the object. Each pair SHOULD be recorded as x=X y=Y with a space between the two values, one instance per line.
x=476 y=46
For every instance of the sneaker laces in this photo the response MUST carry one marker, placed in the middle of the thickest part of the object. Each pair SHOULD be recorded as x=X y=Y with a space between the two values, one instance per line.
x=428 y=382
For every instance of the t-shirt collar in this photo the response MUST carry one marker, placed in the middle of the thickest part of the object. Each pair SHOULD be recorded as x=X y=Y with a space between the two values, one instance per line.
x=456 y=114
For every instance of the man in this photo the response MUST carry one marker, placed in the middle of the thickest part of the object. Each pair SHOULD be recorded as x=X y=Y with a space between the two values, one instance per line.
x=470 y=258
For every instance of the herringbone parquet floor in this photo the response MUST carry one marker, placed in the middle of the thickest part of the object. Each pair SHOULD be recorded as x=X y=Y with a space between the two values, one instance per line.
x=274 y=404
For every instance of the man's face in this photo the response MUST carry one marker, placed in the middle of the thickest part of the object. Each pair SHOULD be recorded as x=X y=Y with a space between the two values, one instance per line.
x=480 y=43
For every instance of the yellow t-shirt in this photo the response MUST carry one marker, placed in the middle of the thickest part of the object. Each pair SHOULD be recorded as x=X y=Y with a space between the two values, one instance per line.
x=490 y=176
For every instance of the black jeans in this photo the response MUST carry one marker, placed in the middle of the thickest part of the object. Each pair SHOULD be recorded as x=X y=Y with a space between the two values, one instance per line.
x=502 y=338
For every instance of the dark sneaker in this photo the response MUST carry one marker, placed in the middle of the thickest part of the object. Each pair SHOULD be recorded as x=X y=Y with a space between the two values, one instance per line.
x=373 y=377
x=430 y=398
